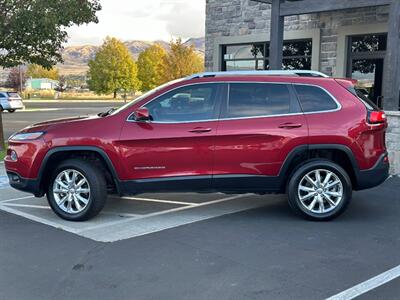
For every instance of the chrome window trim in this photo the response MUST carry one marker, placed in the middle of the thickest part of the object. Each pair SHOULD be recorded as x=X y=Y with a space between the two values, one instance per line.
x=339 y=106
x=171 y=90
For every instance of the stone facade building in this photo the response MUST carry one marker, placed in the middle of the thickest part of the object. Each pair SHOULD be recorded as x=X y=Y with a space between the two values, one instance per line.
x=343 y=43
x=231 y=22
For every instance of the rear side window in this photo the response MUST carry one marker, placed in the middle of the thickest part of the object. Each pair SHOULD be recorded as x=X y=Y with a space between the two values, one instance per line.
x=2 y=95
x=257 y=99
x=313 y=99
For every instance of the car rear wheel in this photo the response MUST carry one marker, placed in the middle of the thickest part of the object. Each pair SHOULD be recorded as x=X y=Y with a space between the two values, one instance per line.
x=319 y=190
x=11 y=110
x=77 y=190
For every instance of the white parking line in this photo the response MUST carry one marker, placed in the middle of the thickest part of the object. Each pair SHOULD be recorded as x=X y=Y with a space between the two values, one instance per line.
x=49 y=208
x=160 y=201
x=26 y=205
x=35 y=218
x=107 y=224
x=16 y=199
x=368 y=285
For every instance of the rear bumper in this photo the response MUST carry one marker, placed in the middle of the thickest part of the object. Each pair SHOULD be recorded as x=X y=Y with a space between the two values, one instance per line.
x=12 y=105
x=31 y=186
x=370 y=178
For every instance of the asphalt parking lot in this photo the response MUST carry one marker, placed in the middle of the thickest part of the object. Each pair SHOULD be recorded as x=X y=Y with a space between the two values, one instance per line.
x=194 y=246
x=199 y=246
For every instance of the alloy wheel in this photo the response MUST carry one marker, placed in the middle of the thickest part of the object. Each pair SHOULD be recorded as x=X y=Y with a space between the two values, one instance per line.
x=320 y=191
x=71 y=191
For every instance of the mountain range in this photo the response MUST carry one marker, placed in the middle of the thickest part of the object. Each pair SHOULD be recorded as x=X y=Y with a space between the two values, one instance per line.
x=77 y=57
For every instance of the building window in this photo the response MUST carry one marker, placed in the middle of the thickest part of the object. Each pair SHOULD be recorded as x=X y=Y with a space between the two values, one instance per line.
x=297 y=55
x=366 y=61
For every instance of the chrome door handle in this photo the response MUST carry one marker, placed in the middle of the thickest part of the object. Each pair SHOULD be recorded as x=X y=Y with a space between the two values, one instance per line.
x=200 y=130
x=290 y=125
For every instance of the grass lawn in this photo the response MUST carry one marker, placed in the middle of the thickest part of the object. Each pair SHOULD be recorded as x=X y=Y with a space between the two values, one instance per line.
x=3 y=154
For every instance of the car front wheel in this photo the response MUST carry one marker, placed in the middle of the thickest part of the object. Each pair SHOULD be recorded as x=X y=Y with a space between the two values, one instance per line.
x=77 y=190
x=319 y=190
x=11 y=110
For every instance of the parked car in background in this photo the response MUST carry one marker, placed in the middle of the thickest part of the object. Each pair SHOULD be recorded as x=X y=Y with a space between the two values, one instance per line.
x=10 y=101
x=310 y=137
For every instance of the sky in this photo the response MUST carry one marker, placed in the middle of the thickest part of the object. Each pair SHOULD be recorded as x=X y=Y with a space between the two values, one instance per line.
x=147 y=20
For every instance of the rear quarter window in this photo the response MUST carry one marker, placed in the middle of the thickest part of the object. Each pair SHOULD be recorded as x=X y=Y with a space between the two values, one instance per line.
x=314 y=99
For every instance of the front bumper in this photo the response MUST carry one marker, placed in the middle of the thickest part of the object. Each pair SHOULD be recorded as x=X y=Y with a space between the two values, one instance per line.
x=370 y=178
x=31 y=186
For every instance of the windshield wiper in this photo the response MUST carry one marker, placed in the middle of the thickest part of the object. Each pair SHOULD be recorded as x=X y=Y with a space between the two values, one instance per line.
x=107 y=113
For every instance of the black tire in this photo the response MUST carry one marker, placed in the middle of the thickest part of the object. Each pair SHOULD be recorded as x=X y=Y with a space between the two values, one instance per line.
x=298 y=176
x=1 y=108
x=11 y=111
x=97 y=185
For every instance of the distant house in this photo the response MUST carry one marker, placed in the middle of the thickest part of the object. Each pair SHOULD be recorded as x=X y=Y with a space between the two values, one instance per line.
x=41 y=84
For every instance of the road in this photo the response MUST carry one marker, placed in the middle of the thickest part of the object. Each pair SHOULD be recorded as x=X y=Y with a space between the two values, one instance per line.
x=42 y=111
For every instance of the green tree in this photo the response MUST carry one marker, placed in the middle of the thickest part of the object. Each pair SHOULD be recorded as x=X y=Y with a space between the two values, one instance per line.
x=36 y=71
x=149 y=65
x=181 y=61
x=34 y=31
x=113 y=69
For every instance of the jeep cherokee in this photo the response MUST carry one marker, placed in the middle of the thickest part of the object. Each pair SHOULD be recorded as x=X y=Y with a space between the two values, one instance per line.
x=314 y=138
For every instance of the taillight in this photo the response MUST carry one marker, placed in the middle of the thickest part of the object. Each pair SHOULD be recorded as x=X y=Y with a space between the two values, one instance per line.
x=376 y=117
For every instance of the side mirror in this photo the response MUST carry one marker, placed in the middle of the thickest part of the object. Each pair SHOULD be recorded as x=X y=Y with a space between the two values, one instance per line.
x=142 y=114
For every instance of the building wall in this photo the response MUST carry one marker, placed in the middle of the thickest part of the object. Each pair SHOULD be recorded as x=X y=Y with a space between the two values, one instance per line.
x=245 y=18
x=393 y=141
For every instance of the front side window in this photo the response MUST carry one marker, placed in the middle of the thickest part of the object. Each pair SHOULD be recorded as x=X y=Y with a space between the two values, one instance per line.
x=314 y=99
x=257 y=99
x=186 y=104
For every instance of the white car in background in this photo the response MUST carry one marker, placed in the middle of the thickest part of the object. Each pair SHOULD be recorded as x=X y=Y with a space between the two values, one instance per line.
x=10 y=101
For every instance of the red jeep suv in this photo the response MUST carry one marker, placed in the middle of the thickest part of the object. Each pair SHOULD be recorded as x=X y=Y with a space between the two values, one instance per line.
x=314 y=138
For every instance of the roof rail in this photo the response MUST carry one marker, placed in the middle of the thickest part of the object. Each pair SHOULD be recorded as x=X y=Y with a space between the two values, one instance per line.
x=301 y=73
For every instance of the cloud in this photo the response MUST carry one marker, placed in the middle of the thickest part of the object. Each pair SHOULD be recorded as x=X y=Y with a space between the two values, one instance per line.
x=185 y=18
x=143 y=20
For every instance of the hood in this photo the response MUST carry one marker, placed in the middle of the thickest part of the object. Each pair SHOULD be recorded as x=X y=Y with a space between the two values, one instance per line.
x=43 y=126
x=61 y=121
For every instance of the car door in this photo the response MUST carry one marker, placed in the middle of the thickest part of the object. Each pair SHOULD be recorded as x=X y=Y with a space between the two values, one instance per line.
x=260 y=124
x=175 y=149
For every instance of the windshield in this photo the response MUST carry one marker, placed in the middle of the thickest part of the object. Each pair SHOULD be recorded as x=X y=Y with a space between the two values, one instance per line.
x=145 y=95
x=13 y=95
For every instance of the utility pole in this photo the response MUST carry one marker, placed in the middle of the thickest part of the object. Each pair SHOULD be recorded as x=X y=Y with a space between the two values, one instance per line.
x=2 y=144
x=20 y=78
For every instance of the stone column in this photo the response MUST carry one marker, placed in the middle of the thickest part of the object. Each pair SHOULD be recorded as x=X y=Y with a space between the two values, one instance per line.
x=391 y=78
x=276 y=43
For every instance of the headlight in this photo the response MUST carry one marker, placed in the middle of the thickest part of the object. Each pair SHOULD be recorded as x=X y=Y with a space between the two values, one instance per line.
x=26 y=136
